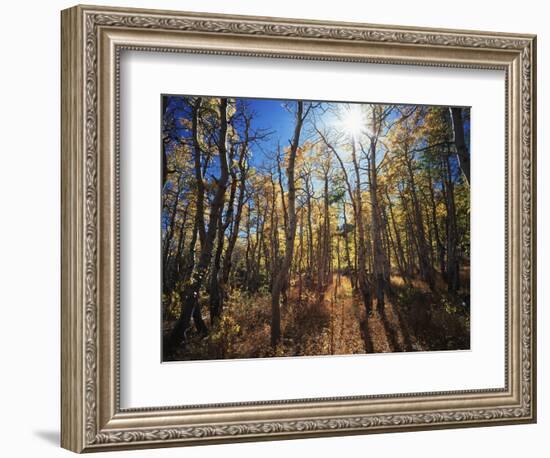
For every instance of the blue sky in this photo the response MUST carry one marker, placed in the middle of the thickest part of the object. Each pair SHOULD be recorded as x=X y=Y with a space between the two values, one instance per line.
x=276 y=117
x=270 y=115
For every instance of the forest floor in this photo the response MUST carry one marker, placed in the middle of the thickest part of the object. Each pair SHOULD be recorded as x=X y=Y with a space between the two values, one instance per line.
x=381 y=331
x=335 y=322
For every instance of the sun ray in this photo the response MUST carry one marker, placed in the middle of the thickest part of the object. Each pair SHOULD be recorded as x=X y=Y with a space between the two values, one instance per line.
x=352 y=121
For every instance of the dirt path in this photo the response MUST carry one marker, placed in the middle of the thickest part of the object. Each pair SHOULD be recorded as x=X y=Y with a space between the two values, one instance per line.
x=351 y=331
x=334 y=323
x=345 y=331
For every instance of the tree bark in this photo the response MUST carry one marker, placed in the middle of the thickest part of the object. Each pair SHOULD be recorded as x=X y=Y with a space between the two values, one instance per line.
x=165 y=143
x=453 y=277
x=309 y=194
x=362 y=278
x=235 y=227
x=359 y=233
x=376 y=229
x=460 y=141
x=398 y=246
x=351 y=270
x=281 y=278
x=190 y=295
x=171 y=227
x=197 y=155
x=438 y=242
x=426 y=270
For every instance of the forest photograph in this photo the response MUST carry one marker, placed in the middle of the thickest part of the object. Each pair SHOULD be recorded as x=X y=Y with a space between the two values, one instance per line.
x=313 y=228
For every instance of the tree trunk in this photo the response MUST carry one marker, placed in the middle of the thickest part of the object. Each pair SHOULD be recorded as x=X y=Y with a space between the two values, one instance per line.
x=460 y=141
x=171 y=227
x=453 y=277
x=300 y=256
x=359 y=232
x=351 y=270
x=197 y=155
x=423 y=250
x=190 y=295
x=214 y=287
x=165 y=143
x=216 y=275
x=227 y=260
x=176 y=265
x=398 y=246
x=376 y=229
x=281 y=279
x=438 y=242
x=309 y=193
x=362 y=278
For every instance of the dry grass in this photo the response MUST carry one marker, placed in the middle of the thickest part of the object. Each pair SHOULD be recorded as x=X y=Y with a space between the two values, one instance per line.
x=334 y=323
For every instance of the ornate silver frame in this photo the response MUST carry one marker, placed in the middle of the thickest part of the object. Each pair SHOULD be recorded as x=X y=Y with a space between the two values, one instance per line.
x=92 y=38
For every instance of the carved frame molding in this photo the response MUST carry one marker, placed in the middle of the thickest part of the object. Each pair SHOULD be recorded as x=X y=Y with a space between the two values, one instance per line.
x=92 y=39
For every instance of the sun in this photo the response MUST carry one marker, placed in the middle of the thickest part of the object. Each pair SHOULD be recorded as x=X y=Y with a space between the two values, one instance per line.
x=352 y=121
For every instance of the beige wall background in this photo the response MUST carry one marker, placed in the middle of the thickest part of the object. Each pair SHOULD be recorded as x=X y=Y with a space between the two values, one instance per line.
x=29 y=227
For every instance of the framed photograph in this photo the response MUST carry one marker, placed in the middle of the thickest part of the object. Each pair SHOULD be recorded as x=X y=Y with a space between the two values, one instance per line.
x=277 y=228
